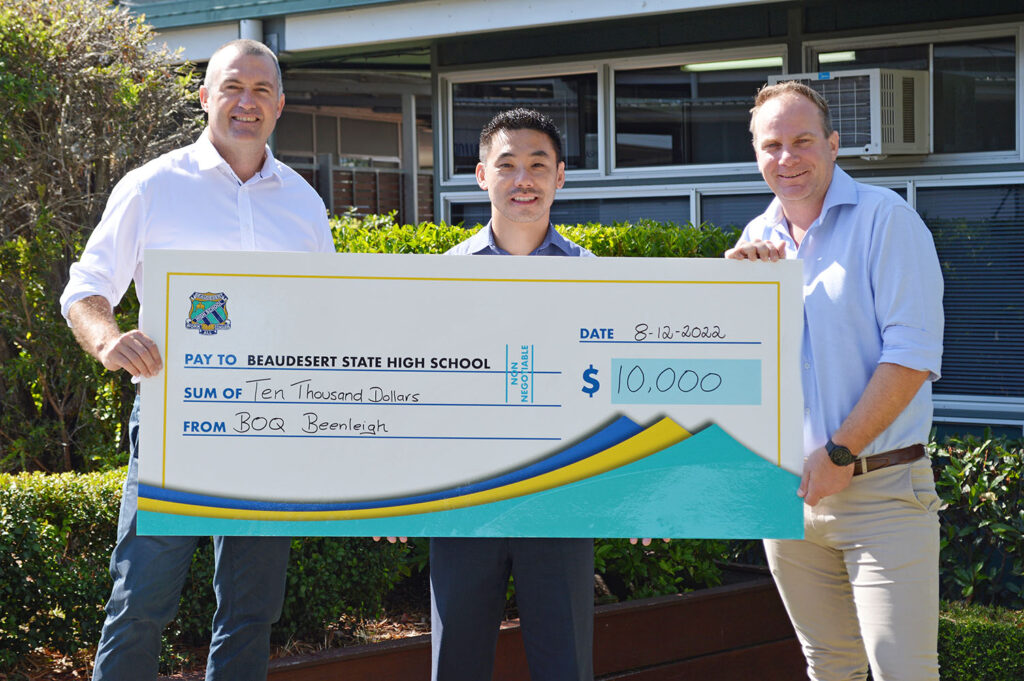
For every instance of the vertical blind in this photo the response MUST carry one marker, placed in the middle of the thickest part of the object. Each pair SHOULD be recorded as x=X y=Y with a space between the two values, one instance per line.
x=979 y=236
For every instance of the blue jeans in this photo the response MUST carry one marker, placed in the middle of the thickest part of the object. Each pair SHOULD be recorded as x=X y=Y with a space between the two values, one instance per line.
x=148 y=574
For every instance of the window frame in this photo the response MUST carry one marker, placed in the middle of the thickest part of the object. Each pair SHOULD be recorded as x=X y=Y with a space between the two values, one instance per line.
x=965 y=407
x=445 y=109
x=681 y=59
x=812 y=48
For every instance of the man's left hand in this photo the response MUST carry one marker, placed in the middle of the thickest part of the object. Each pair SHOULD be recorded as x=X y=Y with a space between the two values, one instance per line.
x=822 y=478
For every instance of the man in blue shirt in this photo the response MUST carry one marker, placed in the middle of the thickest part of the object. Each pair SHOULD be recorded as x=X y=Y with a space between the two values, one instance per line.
x=520 y=168
x=862 y=586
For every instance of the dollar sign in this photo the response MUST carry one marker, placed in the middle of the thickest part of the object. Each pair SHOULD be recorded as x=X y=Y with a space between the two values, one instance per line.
x=592 y=384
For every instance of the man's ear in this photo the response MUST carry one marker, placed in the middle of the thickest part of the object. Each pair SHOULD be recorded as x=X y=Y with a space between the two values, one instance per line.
x=833 y=144
x=481 y=177
x=560 y=175
x=204 y=98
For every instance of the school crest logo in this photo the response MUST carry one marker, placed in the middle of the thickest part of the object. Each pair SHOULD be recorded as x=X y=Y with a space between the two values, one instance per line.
x=209 y=313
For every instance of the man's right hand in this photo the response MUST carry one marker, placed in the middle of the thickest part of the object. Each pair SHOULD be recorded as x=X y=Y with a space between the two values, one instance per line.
x=134 y=351
x=758 y=250
x=92 y=321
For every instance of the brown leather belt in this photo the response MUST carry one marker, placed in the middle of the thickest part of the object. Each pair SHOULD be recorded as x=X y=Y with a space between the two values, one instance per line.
x=866 y=464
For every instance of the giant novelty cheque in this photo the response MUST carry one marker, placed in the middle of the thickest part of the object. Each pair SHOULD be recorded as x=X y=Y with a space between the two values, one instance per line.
x=414 y=395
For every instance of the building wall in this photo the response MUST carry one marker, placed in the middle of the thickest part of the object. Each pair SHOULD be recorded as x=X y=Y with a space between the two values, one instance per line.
x=653 y=132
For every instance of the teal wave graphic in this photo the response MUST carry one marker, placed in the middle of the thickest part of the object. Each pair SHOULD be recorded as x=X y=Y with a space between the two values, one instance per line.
x=706 y=486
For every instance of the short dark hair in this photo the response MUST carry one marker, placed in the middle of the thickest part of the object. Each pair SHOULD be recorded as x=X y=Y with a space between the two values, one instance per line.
x=520 y=119
x=249 y=48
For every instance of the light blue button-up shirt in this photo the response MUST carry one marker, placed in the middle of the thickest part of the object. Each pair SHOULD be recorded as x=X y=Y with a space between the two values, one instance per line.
x=482 y=243
x=872 y=294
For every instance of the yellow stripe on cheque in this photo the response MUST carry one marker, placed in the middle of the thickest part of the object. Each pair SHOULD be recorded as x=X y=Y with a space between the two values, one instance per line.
x=655 y=438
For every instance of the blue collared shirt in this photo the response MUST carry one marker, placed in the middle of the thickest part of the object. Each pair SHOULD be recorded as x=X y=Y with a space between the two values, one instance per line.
x=872 y=294
x=482 y=243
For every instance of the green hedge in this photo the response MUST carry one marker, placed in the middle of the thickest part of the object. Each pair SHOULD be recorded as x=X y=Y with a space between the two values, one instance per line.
x=981 y=482
x=640 y=239
x=980 y=643
x=56 y=534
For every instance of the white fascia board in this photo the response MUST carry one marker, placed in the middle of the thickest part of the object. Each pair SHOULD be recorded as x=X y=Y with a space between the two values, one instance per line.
x=198 y=42
x=377 y=24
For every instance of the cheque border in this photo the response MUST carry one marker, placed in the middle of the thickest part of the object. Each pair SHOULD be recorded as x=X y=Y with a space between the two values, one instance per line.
x=776 y=284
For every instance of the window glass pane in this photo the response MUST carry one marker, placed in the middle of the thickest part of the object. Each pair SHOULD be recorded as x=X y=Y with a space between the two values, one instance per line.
x=974 y=95
x=470 y=214
x=327 y=136
x=695 y=113
x=604 y=211
x=369 y=138
x=973 y=88
x=609 y=211
x=912 y=57
x=571 y=101
x=734 y=210
x=977 y=234
x=294 y=132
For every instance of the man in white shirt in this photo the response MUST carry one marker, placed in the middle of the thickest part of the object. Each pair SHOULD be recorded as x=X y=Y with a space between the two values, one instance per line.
x=224 y=192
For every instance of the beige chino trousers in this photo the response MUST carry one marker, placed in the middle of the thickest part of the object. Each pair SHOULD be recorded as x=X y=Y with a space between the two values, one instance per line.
x=863 y=585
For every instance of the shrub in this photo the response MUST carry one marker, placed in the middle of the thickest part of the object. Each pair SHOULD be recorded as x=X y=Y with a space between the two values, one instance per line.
x=981 y=483
x=636 y=571
x=83 y=99
x=979 y=643
x=54 y=548
x=56 y=534
x=642 y=239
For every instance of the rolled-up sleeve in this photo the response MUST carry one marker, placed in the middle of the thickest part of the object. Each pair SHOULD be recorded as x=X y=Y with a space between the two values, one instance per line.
x=111 y=256
x=907 y=281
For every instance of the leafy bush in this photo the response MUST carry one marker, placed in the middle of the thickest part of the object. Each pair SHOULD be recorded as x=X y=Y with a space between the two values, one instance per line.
x=980 y=643
x=83 y=99
x=642 y=239
x=981 y=483
x=635 y=571
x=56 y=534
x=55 y=541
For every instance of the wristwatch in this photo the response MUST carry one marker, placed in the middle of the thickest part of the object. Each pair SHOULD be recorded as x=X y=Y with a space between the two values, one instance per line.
x=840 y=455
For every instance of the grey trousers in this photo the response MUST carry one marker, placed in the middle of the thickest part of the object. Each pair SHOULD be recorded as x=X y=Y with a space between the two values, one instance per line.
x=554 y=580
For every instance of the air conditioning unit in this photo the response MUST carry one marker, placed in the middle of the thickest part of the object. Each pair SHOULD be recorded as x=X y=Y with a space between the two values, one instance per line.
x=877 y=112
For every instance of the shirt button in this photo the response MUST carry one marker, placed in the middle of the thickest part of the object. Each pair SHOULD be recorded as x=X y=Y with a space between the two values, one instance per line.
x=807 y=365
x=807 y=411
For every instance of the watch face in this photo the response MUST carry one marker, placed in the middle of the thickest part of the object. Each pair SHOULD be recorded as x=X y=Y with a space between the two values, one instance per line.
x=840 y=455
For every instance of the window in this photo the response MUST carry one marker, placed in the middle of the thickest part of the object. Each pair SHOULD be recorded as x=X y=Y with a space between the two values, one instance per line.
x=604 y=211
x=973 y=88
x=570 y=100
x=977 y=234
x=733 y=210
x=353 y=137
x=974 y=96
x=690 y=113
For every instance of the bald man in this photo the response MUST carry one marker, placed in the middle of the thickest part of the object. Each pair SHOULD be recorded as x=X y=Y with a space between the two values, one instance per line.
x=224 y=192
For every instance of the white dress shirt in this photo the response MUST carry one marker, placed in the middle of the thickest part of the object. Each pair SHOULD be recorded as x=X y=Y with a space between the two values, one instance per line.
x=191 y=199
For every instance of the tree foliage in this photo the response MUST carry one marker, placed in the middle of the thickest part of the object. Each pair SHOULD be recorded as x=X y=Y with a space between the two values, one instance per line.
x=83 y=99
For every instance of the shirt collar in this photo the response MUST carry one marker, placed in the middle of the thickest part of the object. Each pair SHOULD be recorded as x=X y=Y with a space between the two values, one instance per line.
x=483 y=240
x=208 y=158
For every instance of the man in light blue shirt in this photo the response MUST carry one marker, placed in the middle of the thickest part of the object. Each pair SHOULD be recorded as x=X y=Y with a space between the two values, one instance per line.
x=862 y=587
x=520 y=168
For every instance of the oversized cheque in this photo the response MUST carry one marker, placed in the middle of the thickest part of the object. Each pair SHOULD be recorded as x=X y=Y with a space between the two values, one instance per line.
x=317 y=394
